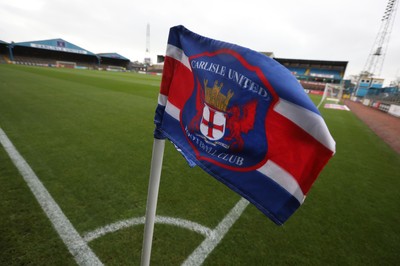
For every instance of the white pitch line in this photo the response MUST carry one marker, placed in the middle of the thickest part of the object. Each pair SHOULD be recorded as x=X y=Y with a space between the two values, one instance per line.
x=212 y=237
x=77 y=245
x=207 y=246
x=101 y=231
x=82 y=253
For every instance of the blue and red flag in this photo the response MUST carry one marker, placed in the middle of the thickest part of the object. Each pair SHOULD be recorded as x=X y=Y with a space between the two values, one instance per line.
x=244 y=119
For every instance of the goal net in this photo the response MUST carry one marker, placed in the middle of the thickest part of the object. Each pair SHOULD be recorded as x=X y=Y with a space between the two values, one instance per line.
x=66 y=64
x=332 y=93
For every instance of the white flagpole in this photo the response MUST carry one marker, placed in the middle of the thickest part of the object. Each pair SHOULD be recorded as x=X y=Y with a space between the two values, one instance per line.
x=152 y=196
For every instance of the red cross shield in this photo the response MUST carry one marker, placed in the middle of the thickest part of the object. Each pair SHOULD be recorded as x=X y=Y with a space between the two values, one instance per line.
x=212 y=123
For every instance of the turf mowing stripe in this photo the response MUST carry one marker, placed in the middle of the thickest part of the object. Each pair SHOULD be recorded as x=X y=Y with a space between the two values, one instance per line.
x=207 y=246
x=76 y=245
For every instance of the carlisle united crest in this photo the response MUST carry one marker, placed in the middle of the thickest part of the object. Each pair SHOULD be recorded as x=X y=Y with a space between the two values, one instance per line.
x=220 y=118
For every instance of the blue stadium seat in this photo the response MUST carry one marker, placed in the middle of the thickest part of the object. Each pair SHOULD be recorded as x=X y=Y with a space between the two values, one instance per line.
x=297 y=71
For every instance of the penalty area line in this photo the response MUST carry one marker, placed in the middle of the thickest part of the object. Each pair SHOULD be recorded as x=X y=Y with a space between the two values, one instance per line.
x=82 y=253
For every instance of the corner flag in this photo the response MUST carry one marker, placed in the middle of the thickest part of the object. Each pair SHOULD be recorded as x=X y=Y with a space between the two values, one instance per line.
x=244 y=119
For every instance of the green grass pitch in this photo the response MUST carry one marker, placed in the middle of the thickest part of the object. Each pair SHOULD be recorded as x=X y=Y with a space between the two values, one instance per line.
x=88 y=137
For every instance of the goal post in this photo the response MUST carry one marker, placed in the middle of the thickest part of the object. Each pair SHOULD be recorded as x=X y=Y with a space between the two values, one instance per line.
x=332 y=92
x=65 y=64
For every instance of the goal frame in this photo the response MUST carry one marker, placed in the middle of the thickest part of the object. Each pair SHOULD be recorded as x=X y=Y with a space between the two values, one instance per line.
x=332 y=92
x=66 y=64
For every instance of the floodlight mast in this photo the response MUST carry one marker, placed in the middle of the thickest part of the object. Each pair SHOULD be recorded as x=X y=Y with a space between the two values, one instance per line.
x=147 y=59
x=374 y=63
x=148 y=38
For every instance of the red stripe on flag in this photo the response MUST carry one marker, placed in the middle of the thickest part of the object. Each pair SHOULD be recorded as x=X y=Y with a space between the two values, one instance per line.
x=177 y=82
x=295 y=150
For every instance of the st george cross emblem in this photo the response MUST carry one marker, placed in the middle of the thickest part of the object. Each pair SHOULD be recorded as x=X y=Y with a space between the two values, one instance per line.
x=213 y=122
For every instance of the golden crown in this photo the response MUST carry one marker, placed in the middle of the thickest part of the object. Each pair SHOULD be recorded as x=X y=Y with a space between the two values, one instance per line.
x=215 y=98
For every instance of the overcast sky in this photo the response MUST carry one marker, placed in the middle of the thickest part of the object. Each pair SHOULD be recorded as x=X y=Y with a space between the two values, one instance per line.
x=342 y=30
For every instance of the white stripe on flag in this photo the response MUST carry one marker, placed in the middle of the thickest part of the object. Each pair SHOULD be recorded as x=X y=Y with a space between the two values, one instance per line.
x=178 y=54
x=311 y=122
x=283 y=178
x=172 y=110
x=162 y=99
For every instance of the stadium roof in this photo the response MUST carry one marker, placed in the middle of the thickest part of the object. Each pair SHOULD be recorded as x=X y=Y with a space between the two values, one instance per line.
x=269 y=54
x=56 y=45
x=312 y=63
x=113 y=55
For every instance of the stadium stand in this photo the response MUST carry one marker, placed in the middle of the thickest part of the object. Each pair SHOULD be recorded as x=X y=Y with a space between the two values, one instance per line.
x=113 y=62
x=59 y=53
x=297 y=71
x=314 y=74
x=156 y=68
x=50 y=52
x=325 y=73
x=137 y=66
x=3 y=52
